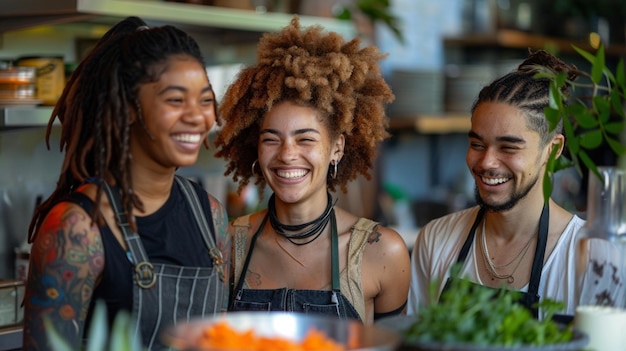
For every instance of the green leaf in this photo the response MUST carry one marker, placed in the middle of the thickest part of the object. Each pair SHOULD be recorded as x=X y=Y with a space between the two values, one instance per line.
x=603 y=108
x=591 y=139
x=617 y=103
x=614 y=128
x=583 y=116
x=553 y=116
x=556 y=99
x=588 y=56
x=588 y=162
x=98 y=331
x=56 y=340
x=598 y=65
x=616 y=146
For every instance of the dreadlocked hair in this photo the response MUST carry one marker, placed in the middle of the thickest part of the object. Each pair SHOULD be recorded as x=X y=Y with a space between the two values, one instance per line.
x=96 y=106
x=312 y=68
x=520 y=88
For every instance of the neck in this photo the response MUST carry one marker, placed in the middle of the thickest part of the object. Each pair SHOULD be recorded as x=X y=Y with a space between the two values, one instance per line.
x=152 y=188
x=507 y=224
x=294 y=213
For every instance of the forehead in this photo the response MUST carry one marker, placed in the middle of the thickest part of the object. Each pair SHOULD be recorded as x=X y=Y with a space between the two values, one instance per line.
x=289 y=115
x=492 y=120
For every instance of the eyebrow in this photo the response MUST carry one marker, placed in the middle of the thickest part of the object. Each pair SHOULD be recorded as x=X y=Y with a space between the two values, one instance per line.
x=183 y=89
x=505 y=138
x=296 y=132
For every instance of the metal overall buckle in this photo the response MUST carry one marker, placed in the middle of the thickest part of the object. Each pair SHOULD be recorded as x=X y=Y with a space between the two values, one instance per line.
x=144 y=275
x=218 y=262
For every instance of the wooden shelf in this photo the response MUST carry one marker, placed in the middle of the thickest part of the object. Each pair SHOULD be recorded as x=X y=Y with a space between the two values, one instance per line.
x=432 y=124
x=514 y=39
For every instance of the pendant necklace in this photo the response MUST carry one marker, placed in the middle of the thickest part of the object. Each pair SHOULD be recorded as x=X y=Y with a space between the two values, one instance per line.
x=492 y=268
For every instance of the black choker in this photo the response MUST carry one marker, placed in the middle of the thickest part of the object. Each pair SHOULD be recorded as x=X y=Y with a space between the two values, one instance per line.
x=300 y=231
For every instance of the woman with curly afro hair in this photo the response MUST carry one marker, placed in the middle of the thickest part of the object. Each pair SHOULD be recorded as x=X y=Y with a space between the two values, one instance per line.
x=306 y=119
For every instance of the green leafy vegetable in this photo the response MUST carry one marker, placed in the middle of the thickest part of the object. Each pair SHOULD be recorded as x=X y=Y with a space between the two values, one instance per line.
x=468 y=313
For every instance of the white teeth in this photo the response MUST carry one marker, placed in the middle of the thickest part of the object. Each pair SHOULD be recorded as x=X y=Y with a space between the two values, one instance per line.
x=291 y=174
x=494 y=181
x=188 y=138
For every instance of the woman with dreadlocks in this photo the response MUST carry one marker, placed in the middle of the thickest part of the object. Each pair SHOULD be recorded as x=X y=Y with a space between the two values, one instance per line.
x=306 y=119
x=121 y=226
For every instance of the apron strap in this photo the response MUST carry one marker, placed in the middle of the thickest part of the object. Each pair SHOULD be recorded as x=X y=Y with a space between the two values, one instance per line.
x=207 y=231
x=470 y=237
x=144 y=271
x=540 y=251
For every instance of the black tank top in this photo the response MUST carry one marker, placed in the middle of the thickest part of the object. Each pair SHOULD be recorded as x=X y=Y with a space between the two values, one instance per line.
x=170 y=235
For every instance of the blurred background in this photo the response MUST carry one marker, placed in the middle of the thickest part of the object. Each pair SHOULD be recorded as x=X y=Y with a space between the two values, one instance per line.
x=440 y=54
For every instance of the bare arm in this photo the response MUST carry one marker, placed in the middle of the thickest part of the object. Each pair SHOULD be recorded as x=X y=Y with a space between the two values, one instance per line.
x=66 y=260
x=223 y=241
x=388 y=260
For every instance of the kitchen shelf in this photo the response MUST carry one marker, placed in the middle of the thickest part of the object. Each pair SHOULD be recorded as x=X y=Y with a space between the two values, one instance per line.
x=514 y=39
x=25 y=116
x=29 y=13
x=432 y=124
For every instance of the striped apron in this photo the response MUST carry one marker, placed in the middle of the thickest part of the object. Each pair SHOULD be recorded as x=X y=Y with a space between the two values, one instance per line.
x=165 y=294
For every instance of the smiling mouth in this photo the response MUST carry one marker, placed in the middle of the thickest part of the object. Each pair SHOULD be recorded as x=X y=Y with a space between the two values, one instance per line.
x=292 y=174
x=188 y=138
x=494 y=181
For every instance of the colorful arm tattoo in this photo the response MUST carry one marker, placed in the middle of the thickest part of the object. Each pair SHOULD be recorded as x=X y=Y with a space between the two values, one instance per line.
x=66 y=260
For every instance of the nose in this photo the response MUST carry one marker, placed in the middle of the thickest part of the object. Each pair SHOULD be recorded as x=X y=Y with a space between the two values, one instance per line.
x=196 y=113
x=287 y=151
x=489 y=159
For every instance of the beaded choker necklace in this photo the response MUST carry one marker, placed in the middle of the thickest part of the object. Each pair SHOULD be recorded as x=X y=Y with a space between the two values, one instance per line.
x=310 y=229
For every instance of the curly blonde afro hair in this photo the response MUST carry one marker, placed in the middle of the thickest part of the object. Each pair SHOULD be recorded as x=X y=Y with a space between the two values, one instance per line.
x=312 y=68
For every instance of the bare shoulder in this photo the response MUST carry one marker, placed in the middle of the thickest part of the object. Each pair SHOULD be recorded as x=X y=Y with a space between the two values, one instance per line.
x=248 y=224
x=386 y=240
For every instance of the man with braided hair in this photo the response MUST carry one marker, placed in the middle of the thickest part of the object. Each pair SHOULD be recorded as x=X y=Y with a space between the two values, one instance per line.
x=513 y=237
x=305 y=120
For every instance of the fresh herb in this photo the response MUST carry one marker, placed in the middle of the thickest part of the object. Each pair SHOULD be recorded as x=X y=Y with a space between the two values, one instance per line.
x=470 y=314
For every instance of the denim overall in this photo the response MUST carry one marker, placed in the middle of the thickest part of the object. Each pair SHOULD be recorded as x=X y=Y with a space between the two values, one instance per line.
x=165 y=294
x=530 y=298
x=324 y=302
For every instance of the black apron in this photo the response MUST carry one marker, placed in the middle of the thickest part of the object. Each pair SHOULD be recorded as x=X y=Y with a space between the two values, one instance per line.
x=166 y=294
x=332 y=302
x=531 y=298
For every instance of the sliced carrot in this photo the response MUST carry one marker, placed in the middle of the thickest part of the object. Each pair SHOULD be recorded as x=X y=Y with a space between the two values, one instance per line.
x=221 y=336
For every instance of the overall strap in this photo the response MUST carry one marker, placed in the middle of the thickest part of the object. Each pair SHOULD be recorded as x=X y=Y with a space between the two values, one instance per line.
x=208 y=232
x=334 y=241
x=248 y=256
x=144 y=271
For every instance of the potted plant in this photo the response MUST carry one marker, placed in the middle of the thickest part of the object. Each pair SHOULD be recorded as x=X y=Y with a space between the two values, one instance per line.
x=591 y=120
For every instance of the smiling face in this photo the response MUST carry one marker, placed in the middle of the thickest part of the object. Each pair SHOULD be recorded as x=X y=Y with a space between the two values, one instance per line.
x=178 y=111
x=505 y=157
x=295 y=151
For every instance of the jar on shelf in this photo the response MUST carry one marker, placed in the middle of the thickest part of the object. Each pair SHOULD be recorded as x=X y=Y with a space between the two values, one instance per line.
x=600 y=262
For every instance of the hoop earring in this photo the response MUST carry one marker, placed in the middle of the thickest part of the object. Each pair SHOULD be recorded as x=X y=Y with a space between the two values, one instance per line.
x=334 y=174
x=252 y=168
